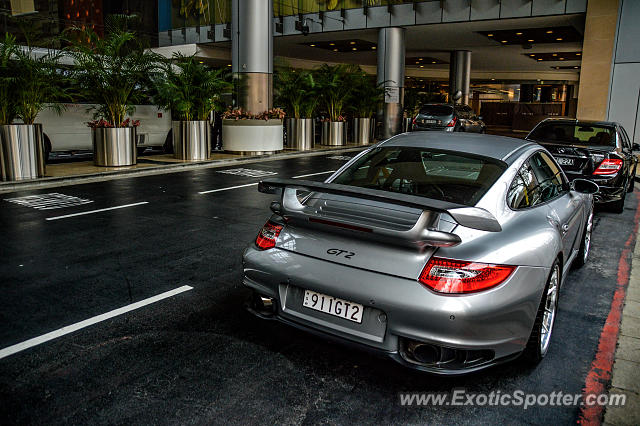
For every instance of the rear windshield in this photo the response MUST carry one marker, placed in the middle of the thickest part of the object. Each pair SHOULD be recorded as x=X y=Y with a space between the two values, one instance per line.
x=578 y=134
x=436 y=110
x=442 y=175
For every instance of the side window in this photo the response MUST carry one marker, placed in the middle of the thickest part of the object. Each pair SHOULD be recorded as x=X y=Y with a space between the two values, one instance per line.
x=626 y=142
x=549 y=176
x=522 y=192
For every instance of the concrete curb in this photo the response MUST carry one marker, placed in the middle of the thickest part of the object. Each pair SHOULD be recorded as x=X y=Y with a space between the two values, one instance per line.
x=51 y=182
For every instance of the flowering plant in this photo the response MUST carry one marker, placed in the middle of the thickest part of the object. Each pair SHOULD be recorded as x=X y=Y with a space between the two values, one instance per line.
x=240 y=114
x=102 y=123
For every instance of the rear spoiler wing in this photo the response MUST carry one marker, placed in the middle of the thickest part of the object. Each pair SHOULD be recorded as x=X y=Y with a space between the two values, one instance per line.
x=470 y=217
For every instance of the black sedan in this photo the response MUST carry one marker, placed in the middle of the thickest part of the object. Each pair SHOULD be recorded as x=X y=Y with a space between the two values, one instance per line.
x=448 y=118
x=597 y=150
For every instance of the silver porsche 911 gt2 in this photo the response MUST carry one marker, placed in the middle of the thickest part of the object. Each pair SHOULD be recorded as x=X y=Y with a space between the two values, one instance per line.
x=444 y=251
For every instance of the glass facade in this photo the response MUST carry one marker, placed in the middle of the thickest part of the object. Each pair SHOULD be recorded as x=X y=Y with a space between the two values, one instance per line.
x=293 y=7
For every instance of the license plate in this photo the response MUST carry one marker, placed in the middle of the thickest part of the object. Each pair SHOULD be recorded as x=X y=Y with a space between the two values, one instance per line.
x=565 y=161
x=333 y=306
x=430 y=121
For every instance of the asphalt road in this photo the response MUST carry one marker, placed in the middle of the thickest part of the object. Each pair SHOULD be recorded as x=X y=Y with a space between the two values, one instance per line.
x=197 y=356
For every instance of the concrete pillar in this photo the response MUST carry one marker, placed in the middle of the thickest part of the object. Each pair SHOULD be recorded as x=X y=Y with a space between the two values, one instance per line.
x=597 y=58
x=460 y=74
x=391 y=74
x=252 y=53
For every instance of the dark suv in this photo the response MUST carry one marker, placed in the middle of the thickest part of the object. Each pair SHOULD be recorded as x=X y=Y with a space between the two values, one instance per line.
x=447 y=117
x=600 y=151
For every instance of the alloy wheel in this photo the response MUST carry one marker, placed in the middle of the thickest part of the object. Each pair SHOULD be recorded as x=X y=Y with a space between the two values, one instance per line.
x=551 y=304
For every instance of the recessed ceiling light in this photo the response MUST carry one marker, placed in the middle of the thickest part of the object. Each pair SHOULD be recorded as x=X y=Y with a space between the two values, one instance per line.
x=202 y=62
x=533 y=54
x=354 y=48
x=550 y=32
x=433 y=62
x=576 y=67
x=559 y=39
x=493 y=79
x=530 y=40
x=539 y=59
x=417 y=63
x=578 y=54
x=555 y=54
x=335 y=50
x=332 y=44
x=421 y=66
x=352 y=42
x=228 y=65
x=562 y=59
x=373 y=48
x=312 y=45
x=489 y=35
x=504 y=41
x=419 y=59
x=518 y=33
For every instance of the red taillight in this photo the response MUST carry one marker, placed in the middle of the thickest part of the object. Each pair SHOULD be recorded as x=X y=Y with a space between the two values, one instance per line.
x=609 y=166
x=456 y=276
x=453 y=122
x=267 y=236
x=414 y=121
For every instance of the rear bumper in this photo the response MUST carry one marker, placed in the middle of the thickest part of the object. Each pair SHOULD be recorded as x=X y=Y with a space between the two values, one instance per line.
x=418 y=128
x=399 y=310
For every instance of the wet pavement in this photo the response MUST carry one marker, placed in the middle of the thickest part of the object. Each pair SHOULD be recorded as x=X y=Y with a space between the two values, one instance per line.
x=197 y=356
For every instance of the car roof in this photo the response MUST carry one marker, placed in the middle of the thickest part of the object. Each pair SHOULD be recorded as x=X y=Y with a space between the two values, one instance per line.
x=497 y=147
x=583 y=122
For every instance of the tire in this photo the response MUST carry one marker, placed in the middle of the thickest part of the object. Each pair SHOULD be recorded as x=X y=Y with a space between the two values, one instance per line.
x=585 y=244
x=632 y=180
x=618 y=206
x=539 y=340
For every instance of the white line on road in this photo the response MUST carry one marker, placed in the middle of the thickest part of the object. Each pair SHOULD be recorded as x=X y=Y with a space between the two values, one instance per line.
x=314 y=174
x=97 y=211
x=255 y=183
x=18 y=347
x=226 y=189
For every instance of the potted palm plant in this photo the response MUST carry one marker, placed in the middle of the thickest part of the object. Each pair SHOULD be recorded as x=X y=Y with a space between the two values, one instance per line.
x=295 y=90
x=334 y=84
x=114 y=70
x=192 y=91
x=31 y=82
x=364 y=102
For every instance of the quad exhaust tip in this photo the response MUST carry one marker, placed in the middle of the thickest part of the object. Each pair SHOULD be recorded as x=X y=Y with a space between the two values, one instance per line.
x=430 y=355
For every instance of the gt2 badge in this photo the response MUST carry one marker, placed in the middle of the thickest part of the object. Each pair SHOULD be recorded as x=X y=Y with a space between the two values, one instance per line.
x=338 y=252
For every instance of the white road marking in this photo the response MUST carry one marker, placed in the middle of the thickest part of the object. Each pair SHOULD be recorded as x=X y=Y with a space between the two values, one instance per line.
x=18 y=347
x=97 y=211
x=50 y=201
x=226 y=189
x=255 y=183
x=248 y=172
x=314 y=174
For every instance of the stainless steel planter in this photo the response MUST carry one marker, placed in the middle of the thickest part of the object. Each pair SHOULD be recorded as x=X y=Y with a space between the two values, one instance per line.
x=290 y=127
x=302 y=135
x=22 y=151
x=407 y=124
x=324 y=135
x=363 y=131
x=191 y=140
x=114 y=146
x=336 y=133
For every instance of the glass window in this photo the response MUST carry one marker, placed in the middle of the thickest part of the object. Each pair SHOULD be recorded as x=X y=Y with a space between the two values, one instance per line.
x=538 y=181
x=448 y=176
x=579 y=134
x=625 y=138
x=522 y=191
x=436 y=110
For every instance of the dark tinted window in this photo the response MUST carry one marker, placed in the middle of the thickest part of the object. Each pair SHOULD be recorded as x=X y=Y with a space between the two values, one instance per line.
x=625 y=138
x=578 y=134
x=447 y=176
x=436 y=110
x=539 y=180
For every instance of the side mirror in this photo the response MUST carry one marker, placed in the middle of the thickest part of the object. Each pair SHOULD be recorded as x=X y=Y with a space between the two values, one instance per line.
x=584 y=186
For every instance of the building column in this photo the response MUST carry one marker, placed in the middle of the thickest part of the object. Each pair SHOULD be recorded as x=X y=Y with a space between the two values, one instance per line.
x=460 y=74
x=391 y=75
x=597 y=58
x=252 y=53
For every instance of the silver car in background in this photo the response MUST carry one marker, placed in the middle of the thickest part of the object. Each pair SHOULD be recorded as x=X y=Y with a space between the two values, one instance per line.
x=445 y=252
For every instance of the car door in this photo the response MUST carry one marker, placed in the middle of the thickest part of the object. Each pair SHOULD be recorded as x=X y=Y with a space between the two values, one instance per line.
x=565 y=211
x=627 y=152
